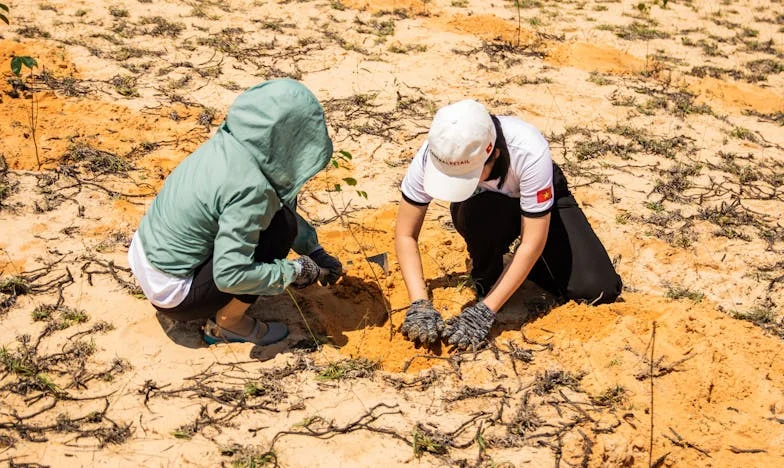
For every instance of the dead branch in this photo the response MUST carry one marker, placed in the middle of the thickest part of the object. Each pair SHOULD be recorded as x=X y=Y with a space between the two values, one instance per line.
x=680 y=442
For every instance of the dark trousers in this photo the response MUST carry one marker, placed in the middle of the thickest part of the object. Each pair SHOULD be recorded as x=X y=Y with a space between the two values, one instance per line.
x=574 y=264
x=204 y=298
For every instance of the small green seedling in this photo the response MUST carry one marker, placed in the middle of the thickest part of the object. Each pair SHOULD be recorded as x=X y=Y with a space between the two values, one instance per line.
x=15 y=286
x=423 y=443
x=17 y=62
x=23 y=60
x=182 y=433
x=337 y=161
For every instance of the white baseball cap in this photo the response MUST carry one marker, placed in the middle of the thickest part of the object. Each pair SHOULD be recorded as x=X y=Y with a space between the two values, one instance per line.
x=461 y=139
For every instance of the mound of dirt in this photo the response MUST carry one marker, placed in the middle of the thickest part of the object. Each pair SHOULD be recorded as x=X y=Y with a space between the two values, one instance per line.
x=595 y=58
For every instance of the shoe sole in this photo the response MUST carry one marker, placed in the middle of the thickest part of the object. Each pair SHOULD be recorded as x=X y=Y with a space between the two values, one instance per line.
x=276 y=332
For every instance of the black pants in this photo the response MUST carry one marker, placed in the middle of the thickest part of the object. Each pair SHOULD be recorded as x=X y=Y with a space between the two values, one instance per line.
x=574 y=264
x=204 y=298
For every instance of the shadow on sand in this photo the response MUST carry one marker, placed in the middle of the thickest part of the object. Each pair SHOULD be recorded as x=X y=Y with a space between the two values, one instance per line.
x=317 y=314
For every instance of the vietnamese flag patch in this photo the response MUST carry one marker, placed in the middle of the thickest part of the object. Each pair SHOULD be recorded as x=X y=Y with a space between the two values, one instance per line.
x=544 y=195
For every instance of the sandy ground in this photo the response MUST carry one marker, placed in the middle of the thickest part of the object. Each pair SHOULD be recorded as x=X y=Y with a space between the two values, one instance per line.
x=667 y=120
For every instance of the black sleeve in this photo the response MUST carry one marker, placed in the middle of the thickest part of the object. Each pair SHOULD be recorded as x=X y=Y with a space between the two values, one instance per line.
x=415 y=203
x=536 y=215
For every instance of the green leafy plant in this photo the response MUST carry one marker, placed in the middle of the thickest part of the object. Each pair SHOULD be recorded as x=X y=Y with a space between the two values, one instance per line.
x=679 y=292
x=655 y=206
x=15 y=286
x=743 y=134
x=17 y=63
x=254 y=460
x=348 y=369
x=613 y=396
x=339 y=160
x=181 y=433
x=254 y=389
x=423 y=442
x=4 y=13
x=758 y=316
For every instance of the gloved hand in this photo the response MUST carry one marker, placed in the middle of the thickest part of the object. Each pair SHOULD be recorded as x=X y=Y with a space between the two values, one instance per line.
x=470 y=328
x=307 y=274
x=325 y=260
x=423 y=323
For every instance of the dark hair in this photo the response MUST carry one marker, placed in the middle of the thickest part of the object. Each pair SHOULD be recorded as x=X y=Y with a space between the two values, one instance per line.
x=501 y=164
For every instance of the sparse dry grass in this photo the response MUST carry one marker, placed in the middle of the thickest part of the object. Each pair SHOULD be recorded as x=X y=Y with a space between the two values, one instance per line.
x=687 y=194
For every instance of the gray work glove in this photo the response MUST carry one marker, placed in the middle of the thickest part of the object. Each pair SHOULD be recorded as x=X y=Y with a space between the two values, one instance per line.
x=423 y=323
x=307 y=274
x=470 y=328
x=332 y=264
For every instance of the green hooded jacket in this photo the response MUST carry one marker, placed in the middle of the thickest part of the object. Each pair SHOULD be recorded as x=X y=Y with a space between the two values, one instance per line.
x=217 y=201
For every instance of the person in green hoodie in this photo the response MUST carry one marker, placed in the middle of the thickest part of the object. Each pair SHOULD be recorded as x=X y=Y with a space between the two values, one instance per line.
x=217 y=234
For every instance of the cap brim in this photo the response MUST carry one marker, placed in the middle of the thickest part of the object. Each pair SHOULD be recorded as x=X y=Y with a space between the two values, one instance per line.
x=450 y=188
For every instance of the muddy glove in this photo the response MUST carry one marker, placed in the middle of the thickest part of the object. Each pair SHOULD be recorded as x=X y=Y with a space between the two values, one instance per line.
x=307 y=272
x=470 y=328
x=423 y=323
x=325 y=260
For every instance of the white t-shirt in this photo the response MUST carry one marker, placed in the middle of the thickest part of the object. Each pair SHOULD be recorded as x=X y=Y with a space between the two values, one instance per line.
x=530 y=175
x=162 y=289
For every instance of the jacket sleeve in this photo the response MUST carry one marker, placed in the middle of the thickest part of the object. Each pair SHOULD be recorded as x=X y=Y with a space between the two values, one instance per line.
x=234 y=268
x=307 y=240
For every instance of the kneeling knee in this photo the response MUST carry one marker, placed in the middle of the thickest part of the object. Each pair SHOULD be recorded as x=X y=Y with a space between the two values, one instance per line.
x=597 y=291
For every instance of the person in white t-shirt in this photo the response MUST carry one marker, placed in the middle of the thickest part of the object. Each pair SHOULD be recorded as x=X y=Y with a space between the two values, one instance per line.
x=499 y=176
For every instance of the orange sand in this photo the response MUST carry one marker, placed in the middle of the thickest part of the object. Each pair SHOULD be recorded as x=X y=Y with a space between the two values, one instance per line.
x=485 y=26
x=591 y=57
x=65 y=121
x=737 y=96
x=728 y=392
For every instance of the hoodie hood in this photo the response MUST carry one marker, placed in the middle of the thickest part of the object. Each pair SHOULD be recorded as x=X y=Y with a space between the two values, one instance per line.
x=281 y=125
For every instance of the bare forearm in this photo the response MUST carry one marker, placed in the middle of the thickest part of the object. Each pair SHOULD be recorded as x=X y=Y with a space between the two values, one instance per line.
x=531 y=246
x=513 y=276
x=411 y=267
x=409 y=223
